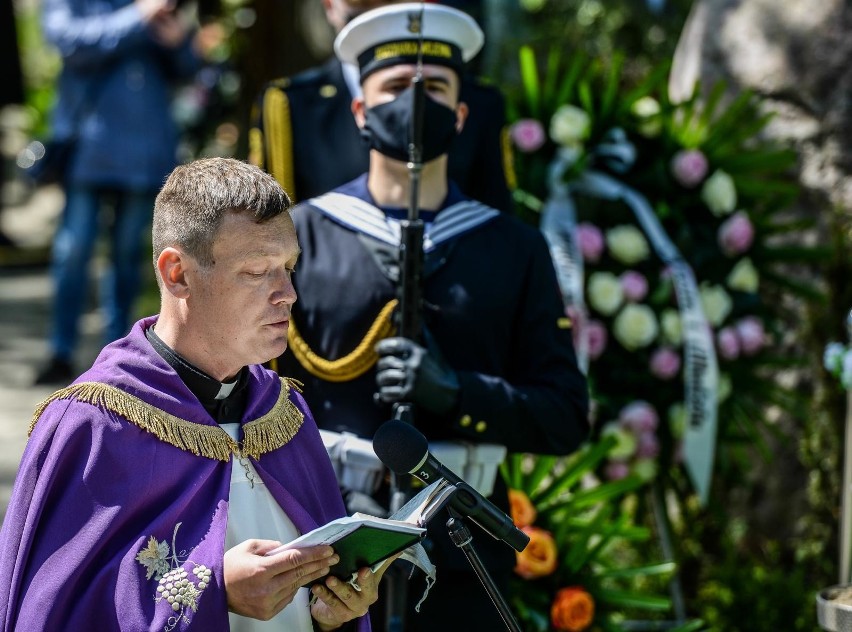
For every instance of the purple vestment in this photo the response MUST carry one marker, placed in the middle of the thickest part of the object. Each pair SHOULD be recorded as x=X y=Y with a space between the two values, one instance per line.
x=105 y=504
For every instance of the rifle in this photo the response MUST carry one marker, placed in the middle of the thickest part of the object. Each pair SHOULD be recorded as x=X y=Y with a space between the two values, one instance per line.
x=410 y=295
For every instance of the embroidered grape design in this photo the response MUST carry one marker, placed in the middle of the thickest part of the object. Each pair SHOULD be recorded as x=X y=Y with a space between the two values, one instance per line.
x=177 y=588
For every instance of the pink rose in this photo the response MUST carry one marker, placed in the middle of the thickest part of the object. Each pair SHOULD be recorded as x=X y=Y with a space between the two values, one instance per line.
x=591 y=241
x=527 y=134
x=616 y=470
x=639 y=416
x=665 y=363
x=736 y=234
x=728 y=343
x=597 y=338
x=648 y=447
x=689 y=167
x=751 y=334
x=634 y=286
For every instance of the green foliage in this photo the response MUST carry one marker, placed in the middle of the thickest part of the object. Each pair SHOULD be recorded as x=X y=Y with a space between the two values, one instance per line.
x=601 y=29
x=582 y=522
x=40 y=65
x=754 y=596
x=603 y=96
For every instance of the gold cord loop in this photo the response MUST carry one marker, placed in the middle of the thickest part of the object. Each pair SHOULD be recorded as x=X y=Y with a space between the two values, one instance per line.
x=353 y=364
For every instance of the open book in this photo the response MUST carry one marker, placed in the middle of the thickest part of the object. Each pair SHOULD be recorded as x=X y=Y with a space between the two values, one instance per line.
x=363 y=540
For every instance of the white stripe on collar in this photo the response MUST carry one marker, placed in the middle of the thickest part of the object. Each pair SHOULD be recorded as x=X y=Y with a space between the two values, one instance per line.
x=362 y=217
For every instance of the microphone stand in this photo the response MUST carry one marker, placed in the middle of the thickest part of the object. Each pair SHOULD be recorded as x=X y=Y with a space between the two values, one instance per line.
x=462 y=538
x=410 y=303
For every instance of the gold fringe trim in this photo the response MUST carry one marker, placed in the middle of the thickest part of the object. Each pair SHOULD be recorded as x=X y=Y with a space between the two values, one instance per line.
x=262 y=435
x=278 y=129
x=255 y=154
x=352 y=365
x=508 y=159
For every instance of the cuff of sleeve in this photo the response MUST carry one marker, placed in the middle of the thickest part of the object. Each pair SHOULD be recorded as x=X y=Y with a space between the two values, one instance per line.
x=469 y=418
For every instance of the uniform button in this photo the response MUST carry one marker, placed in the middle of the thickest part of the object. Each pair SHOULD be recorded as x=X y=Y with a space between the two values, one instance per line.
x=328 y=90
x=465 y=421
x=481 y=426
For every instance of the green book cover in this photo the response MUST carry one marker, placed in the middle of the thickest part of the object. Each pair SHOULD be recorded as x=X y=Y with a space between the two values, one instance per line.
x=363 y=540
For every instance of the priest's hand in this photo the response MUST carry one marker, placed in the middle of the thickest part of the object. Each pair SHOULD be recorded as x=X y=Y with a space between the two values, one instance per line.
x=407 y=372
x=335 y=602
x=260 y=587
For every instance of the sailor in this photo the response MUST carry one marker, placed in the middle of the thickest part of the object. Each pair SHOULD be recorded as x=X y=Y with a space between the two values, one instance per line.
x=496 y=368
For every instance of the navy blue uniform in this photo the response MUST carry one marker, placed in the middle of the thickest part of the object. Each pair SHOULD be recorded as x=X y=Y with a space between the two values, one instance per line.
x=305 y=135
x=494 y=309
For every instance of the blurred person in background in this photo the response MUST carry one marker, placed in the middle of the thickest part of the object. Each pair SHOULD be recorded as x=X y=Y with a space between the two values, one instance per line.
x=303 y=131
x=121 y=59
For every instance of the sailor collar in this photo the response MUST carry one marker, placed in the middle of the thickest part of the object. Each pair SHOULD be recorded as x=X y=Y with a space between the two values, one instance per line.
x=352 y=207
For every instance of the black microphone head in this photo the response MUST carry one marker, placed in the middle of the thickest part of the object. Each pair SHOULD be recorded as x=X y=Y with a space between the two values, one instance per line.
x=400 y=446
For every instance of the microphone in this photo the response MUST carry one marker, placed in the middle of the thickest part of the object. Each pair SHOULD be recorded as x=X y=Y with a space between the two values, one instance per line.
x=405 y=450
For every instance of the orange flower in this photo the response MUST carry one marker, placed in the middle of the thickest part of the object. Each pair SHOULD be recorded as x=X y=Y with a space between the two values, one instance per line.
x=573 y=609
x=539 y=558
x=522 y=510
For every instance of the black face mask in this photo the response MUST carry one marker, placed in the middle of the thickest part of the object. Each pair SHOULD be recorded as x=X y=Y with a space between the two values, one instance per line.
x=387 y=127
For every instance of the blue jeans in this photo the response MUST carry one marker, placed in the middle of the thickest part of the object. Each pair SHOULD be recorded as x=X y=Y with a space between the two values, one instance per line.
x=72 y=252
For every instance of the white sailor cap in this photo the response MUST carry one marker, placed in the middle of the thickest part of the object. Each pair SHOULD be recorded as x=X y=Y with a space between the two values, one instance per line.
x=391 y=35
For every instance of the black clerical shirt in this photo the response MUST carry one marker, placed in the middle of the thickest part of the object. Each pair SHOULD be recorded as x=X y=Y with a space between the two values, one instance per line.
x=225 y=402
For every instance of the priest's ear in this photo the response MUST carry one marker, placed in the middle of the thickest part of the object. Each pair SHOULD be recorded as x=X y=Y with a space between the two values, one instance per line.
x=171 y=267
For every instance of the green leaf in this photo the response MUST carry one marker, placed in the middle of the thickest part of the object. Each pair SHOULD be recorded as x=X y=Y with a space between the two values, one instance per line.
x=529 y=79
x=626 y=599
x=551 y=79
x=662 y=568
x=692 y=626
x=772 y=160
x=788 y=254
x=761 y=189
x=586 y=460
x=569 y=82
x=528 y=199
x=510 y=468
x=584 y=94
x=803 y=289
x=712 y=101
x=605 y=492
x=543 y=467
x=610 y=91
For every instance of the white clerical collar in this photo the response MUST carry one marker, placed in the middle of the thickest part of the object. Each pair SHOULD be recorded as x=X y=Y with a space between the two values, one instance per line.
x=226 y=389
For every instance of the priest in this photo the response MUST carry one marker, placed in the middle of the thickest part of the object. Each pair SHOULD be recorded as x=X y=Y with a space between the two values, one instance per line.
x=152 y=488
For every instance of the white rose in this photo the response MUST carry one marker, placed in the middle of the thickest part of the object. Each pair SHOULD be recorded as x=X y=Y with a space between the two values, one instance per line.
x=570 y=125
x=635 y=327
x=605 y=293
x=716 y=303
x=719 y=193
x=625 y=441
x=744 y=276
x=672 y=327
x=647 y=109
x=627 y=244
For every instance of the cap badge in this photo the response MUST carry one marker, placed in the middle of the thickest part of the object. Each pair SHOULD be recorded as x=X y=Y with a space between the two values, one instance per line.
x=414 y=22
